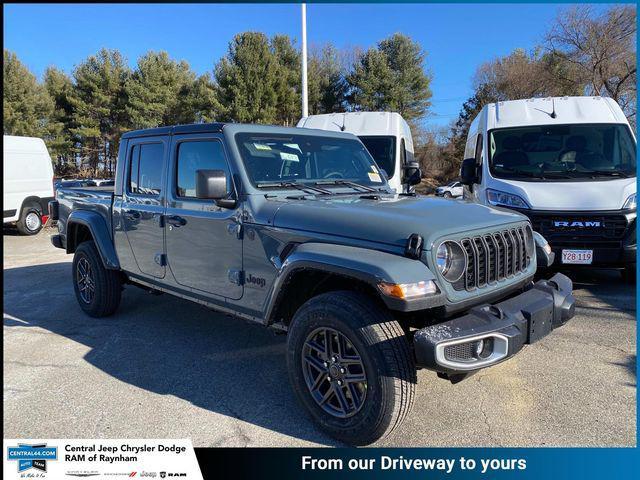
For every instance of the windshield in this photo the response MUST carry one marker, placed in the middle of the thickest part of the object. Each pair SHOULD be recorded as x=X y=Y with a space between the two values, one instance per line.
x=306 y=159
x=574 y=152
x=383 y=150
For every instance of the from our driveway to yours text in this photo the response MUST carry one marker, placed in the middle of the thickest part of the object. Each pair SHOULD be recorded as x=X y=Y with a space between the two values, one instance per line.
x=385 y=462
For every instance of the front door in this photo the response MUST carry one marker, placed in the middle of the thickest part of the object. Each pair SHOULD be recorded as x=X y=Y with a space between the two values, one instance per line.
x=204 y=241
x=143 y=203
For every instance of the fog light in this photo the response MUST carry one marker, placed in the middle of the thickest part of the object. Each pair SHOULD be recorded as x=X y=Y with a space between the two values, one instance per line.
x=408 y=290
x=484 y=348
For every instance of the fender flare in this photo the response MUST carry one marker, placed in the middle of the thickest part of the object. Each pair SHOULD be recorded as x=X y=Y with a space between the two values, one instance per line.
x=100 y=233
x=367 y=265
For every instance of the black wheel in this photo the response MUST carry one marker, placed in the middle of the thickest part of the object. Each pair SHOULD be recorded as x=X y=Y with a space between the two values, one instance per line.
x=30 y=221
x=629 y=274
x=447 y=195
x=351 y=366
x=98 y=290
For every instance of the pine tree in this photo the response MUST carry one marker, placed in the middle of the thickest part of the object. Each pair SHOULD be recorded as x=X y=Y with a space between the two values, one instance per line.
x=161 y=92
x=288 y=80
x=246 y=80
x=99 y=107
x=391 y=77
x=59 y=138
x=327 y=87
x=27 y=106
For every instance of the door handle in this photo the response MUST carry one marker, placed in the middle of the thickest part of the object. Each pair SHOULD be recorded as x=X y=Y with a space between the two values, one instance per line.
x=132 y=215
x=176 y=221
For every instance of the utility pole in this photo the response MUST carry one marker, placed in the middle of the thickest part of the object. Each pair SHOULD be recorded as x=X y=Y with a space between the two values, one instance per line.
x=305 y=95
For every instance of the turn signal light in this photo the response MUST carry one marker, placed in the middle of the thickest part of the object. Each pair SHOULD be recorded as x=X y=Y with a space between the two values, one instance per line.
x=408 y=290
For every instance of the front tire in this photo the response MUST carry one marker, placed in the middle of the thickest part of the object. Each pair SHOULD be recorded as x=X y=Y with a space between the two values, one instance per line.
x=365 y=356
x=447 y=195
x=30 y=221
x=98 y=290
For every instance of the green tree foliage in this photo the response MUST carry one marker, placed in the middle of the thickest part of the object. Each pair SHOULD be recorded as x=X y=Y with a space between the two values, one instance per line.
x=326 y=84
x=392 y=77
x=287 y=85
x=99 y=106
x=162 y=91
x=26 y=104
x=247 y=80
x=59 y=139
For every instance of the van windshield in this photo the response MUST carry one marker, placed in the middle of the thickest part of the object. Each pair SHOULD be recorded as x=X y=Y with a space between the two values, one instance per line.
x=383 y=150
x=272 y=159
x=563 y=152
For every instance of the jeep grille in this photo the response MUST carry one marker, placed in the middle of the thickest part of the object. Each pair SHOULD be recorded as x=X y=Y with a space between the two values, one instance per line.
x=493 y=257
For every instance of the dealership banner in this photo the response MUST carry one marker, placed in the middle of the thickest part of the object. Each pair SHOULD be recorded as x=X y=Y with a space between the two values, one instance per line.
x=169 y=459
x=113 y=459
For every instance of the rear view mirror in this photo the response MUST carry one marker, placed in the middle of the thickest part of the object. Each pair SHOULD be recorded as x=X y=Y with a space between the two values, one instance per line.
x=469 y=171
x=212 y=185
x=412 y=173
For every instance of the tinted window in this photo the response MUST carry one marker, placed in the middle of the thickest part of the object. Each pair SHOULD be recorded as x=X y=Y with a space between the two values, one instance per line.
x=273 y=158
x=194 y=156
x=560 y=152
x=383 y=151
x=146 y=169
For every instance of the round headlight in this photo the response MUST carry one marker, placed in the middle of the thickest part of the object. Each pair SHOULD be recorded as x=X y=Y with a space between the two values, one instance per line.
x=451 y=261
x=443 y=258
x=529 y=242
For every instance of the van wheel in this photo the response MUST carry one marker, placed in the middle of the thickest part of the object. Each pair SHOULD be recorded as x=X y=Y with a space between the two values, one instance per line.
x=30 y=221
x=351 y=366
x=98 y=290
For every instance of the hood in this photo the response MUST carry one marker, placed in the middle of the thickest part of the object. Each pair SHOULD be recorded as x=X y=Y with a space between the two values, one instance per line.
x=391 y=219
x=576 y=196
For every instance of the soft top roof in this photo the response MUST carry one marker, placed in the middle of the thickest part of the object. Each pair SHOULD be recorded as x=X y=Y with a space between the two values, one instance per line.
x=231 y=128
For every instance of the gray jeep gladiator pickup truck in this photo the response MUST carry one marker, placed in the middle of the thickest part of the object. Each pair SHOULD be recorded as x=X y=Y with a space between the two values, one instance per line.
x=297 y=229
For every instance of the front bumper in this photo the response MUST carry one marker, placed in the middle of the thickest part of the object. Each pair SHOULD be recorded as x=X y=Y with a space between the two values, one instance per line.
x=490 y=334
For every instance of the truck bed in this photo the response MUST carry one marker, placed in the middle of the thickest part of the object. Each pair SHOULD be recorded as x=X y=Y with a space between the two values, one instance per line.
x=97 y=199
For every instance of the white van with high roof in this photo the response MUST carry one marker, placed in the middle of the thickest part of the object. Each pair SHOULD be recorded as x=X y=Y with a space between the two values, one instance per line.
x=27 y=183
x=387 y=137
x=569 y=164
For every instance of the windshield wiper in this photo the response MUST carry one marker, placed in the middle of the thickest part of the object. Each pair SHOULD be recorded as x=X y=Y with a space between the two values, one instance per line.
x=302 y=187
x=606 y=173
x=347 y=183
x=523 y=173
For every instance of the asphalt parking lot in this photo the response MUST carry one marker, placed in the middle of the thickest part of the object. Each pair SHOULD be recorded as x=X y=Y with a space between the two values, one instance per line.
x=163 y=367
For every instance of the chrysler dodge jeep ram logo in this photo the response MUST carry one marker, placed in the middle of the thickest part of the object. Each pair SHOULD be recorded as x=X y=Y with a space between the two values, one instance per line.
x=588 y=224
x=32 y=456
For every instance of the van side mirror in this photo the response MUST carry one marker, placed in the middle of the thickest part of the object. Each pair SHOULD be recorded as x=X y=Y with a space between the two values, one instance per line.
x=469 y=172
x=212 y=185
x=412 y=174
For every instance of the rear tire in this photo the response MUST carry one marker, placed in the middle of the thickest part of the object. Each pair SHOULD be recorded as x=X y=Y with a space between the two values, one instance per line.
x=30 y=221
x=98 y=290
x=370 y=334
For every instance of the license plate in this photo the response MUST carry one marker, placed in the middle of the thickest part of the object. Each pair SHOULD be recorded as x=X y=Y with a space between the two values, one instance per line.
x=581 y=257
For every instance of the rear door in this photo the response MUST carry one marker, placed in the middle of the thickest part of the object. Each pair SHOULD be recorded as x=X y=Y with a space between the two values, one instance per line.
x=204 y=241
x=142 y=205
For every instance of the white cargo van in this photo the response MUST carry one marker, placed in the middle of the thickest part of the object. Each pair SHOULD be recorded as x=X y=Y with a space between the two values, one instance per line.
x=387 y=137
x=27 y=182
x=569 y=164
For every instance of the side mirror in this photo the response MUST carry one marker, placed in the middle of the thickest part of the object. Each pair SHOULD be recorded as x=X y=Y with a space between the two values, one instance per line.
x=469 y=172
x=212 y=185
x=412 y=174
